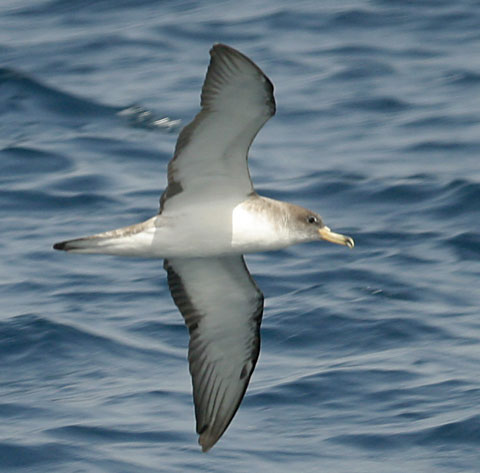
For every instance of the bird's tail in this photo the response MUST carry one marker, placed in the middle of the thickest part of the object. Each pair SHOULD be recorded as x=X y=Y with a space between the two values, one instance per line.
x=127 y=241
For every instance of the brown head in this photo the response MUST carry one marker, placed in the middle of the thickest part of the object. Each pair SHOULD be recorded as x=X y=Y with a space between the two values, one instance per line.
x=310 y=227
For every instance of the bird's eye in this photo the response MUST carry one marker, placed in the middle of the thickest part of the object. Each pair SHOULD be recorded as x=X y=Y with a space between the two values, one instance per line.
x=312 y=219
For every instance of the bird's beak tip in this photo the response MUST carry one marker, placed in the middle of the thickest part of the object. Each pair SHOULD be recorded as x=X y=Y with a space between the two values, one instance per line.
x=326 y=234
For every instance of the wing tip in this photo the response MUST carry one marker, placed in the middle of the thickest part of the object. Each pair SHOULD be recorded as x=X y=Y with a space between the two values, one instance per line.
x=222 y=47
x=223 y=53
x=224 y=50
x=206 y=440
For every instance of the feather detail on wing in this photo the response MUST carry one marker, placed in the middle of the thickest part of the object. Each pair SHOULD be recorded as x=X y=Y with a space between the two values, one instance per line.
x=211 y=153
x=222 y=307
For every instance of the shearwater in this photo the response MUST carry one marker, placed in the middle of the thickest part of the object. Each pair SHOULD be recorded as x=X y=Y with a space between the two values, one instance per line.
x=210 y=215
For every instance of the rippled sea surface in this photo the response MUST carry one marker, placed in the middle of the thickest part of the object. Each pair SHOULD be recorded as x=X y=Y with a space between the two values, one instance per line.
x=370 y=358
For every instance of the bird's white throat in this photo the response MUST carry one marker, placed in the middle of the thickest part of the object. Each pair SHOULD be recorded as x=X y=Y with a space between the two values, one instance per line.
x=254 y=229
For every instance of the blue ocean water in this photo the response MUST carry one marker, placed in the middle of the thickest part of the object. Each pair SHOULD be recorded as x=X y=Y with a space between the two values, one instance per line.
x=370 y=358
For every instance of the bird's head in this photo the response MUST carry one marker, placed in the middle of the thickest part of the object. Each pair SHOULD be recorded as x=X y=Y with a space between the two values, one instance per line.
x=312 y=228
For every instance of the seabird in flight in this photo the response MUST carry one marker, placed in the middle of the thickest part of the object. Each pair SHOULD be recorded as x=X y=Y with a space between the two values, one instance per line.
x=210 y=216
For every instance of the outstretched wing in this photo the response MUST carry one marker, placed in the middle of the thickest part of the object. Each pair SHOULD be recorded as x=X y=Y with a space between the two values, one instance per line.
x=223 y=308
x=211 y=152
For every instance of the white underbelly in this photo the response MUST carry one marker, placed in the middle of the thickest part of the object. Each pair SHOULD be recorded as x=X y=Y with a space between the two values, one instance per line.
x=199 y=231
